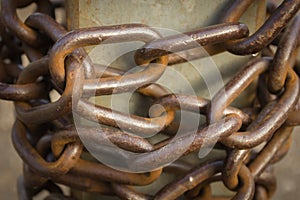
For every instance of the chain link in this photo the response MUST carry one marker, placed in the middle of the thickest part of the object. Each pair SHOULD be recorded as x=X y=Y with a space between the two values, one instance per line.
x=45 y=136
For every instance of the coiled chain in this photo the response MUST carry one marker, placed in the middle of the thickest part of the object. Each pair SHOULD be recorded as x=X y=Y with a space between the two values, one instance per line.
x=252 y=139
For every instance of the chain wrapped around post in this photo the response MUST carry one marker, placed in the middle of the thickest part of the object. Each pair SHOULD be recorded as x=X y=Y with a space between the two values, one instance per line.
x=45 y=136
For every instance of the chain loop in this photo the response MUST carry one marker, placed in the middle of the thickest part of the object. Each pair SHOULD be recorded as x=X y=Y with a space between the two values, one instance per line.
x=46 y=137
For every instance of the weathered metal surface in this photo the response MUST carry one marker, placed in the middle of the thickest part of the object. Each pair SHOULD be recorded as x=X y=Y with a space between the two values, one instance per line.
x=44 y=134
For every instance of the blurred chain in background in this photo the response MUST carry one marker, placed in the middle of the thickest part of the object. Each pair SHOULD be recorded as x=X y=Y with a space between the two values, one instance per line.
x=251 y=138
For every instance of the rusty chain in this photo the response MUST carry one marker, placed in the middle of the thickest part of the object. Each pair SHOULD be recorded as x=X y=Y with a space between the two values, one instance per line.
x=45 y=136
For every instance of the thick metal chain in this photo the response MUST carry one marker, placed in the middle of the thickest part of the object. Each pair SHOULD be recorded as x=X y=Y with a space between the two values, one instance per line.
x=45 y=137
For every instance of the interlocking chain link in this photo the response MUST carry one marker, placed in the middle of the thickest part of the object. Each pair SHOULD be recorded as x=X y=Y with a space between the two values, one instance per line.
x=45 y=136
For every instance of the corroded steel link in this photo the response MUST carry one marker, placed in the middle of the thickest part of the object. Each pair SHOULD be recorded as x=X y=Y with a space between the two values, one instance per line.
x=46 y=24
x=24 y=92
x=173 y=148
x=69 y=158
x=154 y=90
x=177 y=188
x=132 y=123
x=283 y=56
x=265 y=156
x=277 y=115
x=18 y=92
x=237 y=157
x=32 y=158
x=267 y=32
x=282 y=152
x=117 y=119
x=122 y=139
x=63 y=105
x=100 y=172
x=203 y=190
x=234 y=162
x=192 y=54
x=268 y=181
x=172 y=44
x=234 y=88
x=125 y=192
x=13 y=22
x=34 y=115
x=264 y=96
x=194 y=104
x=112 y=34
x=40 y=68
x=273 y=119
x=33 y=180
x=46 y=137
x=55 y=31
